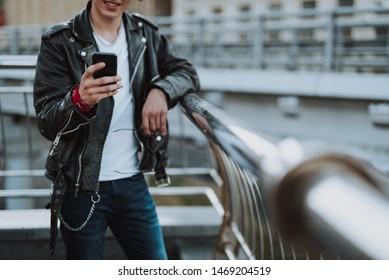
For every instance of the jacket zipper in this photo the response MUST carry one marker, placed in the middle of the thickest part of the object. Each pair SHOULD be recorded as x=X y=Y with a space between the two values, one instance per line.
x=59 y=135
x=155 y=78
x=77 y=185
x=132 y=79
x=57 y=141
x=137 y=64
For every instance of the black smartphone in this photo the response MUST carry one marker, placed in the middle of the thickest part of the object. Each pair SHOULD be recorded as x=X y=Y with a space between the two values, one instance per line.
x=110 y=60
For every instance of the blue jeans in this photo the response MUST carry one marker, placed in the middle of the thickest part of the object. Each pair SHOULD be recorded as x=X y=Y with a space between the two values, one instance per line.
x=127 y=208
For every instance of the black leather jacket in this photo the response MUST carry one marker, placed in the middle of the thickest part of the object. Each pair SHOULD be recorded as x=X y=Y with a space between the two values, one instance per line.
x=78 y=138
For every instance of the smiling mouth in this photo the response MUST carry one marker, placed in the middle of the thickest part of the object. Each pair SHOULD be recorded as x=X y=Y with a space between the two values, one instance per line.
x=112 y=4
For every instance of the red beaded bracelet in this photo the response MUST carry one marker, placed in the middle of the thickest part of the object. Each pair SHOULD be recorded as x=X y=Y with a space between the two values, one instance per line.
x=79 y=103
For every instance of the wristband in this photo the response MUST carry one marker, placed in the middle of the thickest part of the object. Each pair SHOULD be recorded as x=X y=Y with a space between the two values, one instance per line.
x=78 y=102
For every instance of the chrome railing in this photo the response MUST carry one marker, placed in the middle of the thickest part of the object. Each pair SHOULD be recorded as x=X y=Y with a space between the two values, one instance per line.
x=288 y=199
x=334 y=40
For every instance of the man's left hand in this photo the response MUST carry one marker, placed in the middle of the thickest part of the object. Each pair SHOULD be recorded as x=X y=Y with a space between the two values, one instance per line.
x=154 y=113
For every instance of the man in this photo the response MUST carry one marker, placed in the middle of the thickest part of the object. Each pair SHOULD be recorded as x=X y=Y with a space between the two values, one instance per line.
x=107 y=131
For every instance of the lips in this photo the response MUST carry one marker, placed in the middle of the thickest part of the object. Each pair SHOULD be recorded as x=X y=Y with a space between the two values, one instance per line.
x=112 y=4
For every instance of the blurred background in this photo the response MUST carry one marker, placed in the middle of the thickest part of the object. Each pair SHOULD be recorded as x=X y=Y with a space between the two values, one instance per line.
x=307 y=70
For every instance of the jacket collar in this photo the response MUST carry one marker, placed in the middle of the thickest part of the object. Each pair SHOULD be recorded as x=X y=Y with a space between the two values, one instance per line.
x=82 y=28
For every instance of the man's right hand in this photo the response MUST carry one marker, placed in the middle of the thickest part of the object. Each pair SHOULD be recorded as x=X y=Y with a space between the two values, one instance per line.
x=93 y=90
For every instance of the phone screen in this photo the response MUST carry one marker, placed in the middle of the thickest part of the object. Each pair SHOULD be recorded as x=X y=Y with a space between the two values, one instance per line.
x=110 y=60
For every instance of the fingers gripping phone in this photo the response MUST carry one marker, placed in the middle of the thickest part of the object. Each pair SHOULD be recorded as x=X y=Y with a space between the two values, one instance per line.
x=110 y=60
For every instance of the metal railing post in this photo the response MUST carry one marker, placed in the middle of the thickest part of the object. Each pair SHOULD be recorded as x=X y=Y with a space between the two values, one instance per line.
x=293 y=50
x=387 y=50
x=202 y=42
x=329 y=45
x=14 y=41
x=258 y=44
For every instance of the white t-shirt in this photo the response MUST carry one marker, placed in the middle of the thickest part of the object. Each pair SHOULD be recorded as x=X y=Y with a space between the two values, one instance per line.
x=120 y=149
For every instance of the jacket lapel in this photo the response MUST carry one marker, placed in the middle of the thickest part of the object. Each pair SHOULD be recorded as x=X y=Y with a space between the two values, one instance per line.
x=136 y=42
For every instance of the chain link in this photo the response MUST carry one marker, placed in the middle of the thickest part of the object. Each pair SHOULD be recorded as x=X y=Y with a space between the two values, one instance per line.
x=95 y=198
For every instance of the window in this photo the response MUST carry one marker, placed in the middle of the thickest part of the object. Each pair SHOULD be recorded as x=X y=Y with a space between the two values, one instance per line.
x=345 y=3
x=190 y=12
x=306 y=34
x=346 y=33
x=309 y=5
x=217 y=10
x=274 y=36
x=381 y=33
x=275 y=6
x=245 y=8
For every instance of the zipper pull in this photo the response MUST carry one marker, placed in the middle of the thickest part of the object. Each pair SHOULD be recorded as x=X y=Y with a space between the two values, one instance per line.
x=77 y=189
x=55 y=142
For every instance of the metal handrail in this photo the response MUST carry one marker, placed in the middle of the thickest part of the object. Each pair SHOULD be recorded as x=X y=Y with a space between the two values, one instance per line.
x=272 y=213
x=338 y=200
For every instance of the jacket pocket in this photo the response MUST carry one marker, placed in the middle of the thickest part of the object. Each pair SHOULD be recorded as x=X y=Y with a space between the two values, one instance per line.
x=60 y=157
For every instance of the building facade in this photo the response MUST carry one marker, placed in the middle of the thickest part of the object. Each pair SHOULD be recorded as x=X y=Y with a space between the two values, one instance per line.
x=23 y=12
x=233 y=7
x=304 y=13
x=27 y=12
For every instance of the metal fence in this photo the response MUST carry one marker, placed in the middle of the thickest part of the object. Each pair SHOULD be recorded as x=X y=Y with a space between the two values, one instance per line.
x=23 y=184
x=337 y=40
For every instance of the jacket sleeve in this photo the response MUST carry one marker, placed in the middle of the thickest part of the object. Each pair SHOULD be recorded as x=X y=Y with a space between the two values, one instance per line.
x=177 y=75
x=55 y=79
